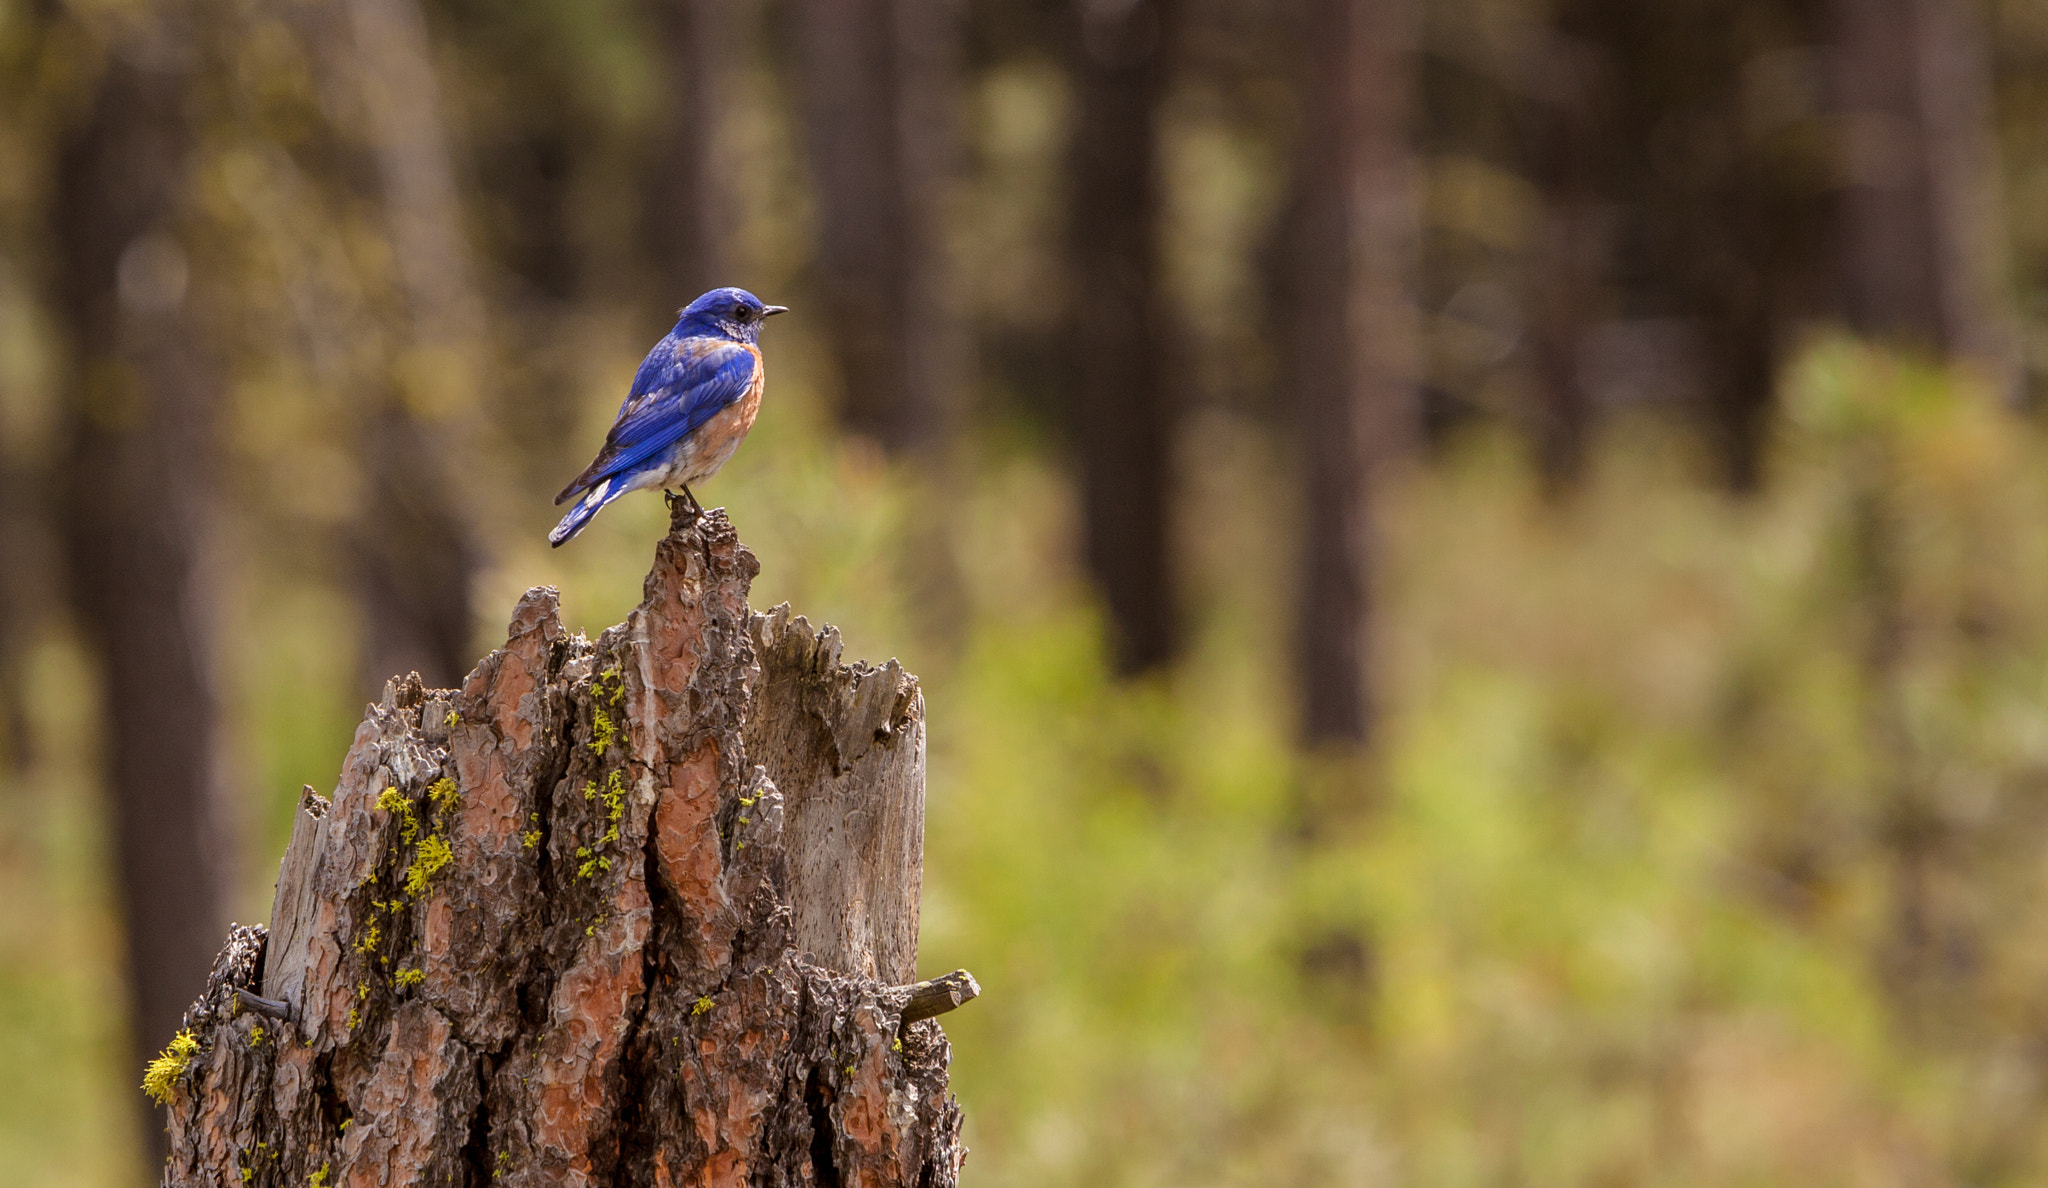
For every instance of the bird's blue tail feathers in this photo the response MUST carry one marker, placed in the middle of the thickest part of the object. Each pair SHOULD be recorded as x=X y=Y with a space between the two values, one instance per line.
x=592 y=501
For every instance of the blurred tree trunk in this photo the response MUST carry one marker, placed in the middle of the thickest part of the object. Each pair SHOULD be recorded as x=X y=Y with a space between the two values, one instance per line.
x=1750 y=265
x=1124 y=414
x=1346 y=301
x=558 y=927
x=1568 y=258
x=690 y=217
x=17 y=613
x=877 y=78
x=1923 y=231
x=132 y=501
x=1920 y=255
x=416 y=561
x=415 y=555
x=1669 y=146
x=1739 y=293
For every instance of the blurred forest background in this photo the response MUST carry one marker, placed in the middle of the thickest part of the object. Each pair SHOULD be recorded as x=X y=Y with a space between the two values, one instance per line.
x=1480 y=567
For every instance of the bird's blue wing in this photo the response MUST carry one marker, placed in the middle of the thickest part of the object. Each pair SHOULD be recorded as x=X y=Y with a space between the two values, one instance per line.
x=673 y=397
x=680 y=386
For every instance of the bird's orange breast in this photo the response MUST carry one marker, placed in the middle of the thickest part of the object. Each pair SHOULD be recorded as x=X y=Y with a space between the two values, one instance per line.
x=750 y=404
x=713 y=444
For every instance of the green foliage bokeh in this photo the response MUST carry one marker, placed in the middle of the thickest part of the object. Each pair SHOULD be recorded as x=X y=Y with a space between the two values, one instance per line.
x=1703 y=845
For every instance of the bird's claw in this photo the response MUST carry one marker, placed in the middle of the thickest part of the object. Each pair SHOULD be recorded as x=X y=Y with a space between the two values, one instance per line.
x=688 y=499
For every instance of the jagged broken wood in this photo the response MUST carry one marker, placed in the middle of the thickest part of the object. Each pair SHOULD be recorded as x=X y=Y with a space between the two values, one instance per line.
x=627 y=911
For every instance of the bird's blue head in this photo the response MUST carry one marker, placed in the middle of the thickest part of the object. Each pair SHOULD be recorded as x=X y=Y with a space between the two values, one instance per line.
x=726 y=313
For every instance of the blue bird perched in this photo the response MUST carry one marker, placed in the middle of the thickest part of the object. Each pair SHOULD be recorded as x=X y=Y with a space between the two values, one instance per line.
x=692 y=401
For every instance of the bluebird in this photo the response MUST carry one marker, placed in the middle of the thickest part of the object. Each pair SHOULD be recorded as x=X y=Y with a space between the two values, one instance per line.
x=693 y=399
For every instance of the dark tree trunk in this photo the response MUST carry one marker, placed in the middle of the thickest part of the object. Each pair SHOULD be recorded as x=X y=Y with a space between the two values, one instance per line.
x=876 y=77
x=416 y=560
x=1568 y=260
x=689 y=217
x=1674 y=188
x=1345 y=299
x=557 y=927
x=1735 y=206
x=18 y=613
x=1747 y=268
x=1921 y=218
x=1124 y=414
x=1573 y=119
x=416 y=563
x=132 y=504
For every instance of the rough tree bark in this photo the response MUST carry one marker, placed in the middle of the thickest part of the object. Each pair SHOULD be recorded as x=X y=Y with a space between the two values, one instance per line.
x=557 y=926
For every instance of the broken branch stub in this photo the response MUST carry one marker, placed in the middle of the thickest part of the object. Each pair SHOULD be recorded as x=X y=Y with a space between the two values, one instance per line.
x=631 y=911
x=845 y=744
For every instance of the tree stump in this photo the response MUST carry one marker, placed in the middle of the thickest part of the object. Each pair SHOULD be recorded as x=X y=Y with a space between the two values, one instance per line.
x=630 y=911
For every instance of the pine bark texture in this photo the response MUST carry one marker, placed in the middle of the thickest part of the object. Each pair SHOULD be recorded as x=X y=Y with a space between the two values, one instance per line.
x=550 y=928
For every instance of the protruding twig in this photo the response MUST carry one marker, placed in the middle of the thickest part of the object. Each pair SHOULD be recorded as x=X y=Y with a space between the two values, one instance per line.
x=940 y=995
x=264 y=1006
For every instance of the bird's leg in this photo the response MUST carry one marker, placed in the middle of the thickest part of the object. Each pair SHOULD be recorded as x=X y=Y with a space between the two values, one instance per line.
x=686 y=498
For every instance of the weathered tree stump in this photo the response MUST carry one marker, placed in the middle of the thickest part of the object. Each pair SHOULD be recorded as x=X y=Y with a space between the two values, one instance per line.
x=558 y=927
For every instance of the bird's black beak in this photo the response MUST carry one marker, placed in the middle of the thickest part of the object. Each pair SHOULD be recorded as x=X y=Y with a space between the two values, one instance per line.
x=772 y=310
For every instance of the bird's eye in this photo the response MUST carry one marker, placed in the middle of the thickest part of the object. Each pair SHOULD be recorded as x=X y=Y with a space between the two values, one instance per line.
x=742 y=313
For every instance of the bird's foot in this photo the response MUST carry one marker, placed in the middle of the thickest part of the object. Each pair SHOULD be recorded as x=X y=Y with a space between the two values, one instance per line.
x=686 y=500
